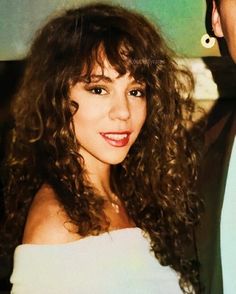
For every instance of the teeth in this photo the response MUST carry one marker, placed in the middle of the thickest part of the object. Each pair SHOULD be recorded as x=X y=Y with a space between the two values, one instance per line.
x=116 y=136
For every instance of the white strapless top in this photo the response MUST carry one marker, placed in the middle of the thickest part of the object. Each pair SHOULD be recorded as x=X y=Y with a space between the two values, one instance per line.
x=118 y=262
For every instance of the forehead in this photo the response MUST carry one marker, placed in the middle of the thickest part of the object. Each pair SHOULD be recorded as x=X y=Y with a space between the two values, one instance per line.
x=107 y=72
x=104 y=69
x=113 y=62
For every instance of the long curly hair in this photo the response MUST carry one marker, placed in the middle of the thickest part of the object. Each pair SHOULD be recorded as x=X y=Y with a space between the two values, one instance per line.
x=156 y=181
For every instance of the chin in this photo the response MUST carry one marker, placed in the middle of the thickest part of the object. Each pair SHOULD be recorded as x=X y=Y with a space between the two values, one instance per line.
x=113 y=160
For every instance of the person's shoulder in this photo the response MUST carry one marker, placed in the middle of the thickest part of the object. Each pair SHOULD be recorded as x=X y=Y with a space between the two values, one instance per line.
x=47 y=222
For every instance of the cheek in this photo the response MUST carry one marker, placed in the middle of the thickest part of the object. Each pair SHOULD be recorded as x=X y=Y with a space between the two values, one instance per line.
x=140 y=117
x=77 y=120
x=144 y=113
x=81 y=123
x=87 y=113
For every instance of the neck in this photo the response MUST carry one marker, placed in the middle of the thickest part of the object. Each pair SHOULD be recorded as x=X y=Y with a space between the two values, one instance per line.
x=99 y=178
x=100 y=183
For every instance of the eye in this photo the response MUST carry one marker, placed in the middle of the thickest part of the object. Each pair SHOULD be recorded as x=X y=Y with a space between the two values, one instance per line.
x=97 y=90
x=137 y=92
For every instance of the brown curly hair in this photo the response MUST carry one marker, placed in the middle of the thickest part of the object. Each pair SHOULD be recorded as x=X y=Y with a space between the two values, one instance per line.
x=156 y=180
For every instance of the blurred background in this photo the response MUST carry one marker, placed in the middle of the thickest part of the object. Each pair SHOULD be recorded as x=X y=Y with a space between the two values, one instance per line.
x=182 y=21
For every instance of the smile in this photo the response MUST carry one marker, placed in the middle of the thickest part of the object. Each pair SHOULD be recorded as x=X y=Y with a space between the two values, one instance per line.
x=116 y=139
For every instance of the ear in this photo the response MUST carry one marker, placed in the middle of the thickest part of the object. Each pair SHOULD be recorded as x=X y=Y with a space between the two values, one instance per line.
x=215 y=21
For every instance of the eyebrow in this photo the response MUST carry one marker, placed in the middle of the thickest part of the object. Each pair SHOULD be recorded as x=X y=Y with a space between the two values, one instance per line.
x=97 y=78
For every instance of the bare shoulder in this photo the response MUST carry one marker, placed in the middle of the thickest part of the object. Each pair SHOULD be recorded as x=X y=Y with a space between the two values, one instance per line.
x=47 y=222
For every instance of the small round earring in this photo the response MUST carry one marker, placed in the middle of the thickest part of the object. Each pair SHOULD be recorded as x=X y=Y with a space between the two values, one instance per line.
x=207 y=41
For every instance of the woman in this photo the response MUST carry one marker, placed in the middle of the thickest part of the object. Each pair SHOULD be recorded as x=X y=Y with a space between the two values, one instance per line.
x=101 y=167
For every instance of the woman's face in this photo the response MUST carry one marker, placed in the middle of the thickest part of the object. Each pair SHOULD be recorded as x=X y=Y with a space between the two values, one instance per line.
x=112 y=111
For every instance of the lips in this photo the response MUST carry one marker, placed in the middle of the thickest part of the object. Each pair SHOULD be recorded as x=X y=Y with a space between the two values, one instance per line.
x=116 y=139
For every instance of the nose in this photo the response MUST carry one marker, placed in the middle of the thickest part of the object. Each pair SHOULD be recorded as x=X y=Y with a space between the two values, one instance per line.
x=120 y=108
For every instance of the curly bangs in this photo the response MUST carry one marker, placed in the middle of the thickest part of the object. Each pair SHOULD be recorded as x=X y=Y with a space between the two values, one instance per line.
x=71 y=44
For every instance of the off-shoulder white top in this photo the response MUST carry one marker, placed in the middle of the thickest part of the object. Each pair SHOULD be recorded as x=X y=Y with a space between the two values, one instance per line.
x=118 y=262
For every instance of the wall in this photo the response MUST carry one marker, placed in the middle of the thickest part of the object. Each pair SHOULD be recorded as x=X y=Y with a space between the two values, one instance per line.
x=182 y=21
